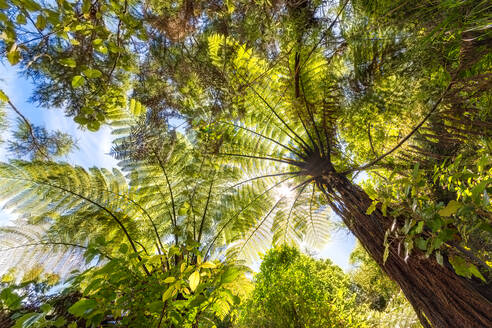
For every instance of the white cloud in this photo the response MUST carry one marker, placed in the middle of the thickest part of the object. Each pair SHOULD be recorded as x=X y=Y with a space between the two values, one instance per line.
x=93 y=147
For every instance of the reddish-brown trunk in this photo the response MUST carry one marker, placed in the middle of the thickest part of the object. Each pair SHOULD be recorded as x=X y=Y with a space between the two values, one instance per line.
x=436 y=292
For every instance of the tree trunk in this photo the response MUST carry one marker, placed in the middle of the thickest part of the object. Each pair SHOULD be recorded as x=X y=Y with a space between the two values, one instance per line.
x=438 y=295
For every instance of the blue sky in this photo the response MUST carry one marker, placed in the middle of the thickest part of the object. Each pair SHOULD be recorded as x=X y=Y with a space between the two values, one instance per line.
x=93 y=150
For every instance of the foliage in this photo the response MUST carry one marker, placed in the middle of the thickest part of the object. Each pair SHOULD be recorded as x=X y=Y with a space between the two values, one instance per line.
x=53 y=144
x=294 y=290
x=433 y=225
x=179 y=294
x=284 y=104
x=387 y=306
x=373 y=286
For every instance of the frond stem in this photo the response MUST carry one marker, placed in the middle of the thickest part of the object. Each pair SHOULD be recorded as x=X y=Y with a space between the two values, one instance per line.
x=262 y=177
x=283 y=160
x=261 y=223
x=239 y=213
x=265 y=137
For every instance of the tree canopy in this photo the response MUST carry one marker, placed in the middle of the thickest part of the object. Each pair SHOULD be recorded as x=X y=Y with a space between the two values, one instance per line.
x=245 y=124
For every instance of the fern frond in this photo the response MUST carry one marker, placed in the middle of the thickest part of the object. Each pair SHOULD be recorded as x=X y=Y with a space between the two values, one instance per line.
x=24 y=247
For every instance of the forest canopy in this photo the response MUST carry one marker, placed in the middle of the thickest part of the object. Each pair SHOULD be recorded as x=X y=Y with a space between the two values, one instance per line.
x=244 y=128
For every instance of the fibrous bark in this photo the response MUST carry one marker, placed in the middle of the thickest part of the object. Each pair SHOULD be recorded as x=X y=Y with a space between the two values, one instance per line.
x=440 y=297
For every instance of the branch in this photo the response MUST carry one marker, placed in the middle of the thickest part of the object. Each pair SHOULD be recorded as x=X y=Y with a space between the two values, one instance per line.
x=261 y=223
x=325 y=34
x=370 y=139
x=262 y=177
x=291 y=209
x=159 y=242
x=30 y=129
x=200 y=231
x=175 y=221
x=281 y=120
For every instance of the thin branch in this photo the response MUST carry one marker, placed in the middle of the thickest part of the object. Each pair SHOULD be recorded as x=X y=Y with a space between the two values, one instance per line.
x=284 y=160
x=303 y=183
x=311 y=210
x=272 y=65
x=175 y=221
x=311 y=115
x=370 y=139
x=200 y=231
x=326 y=32
x=291 y=209
x=105 y=209
x=30 y=129
x=159 y=242
x=280 y=119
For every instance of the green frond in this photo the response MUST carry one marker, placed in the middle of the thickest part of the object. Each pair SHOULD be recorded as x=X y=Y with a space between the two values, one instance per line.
x=24 y=247
x=74 y=201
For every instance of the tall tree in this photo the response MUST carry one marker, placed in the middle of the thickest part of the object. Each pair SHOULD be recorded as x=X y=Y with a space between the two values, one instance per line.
x=294 y=290
x=332 y=91
x=295 y=116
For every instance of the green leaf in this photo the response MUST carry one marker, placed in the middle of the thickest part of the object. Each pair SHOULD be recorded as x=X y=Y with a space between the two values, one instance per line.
x=421 y=243
x=10 y=299
x=123 y=248
x=439 y=258
x=20 y=19
x=474 y=271
x=464 y=268
x=93 y=126
x=60 y=322
x=229 y=275
x=102 y=49
x=168 y=293
x=82 y=120
x=136 y=108
x=386 y=253
x=372 y=207
x=4 y=4
x=40 y=22
x=169 y=280
x=208 y=265
x=194 y=280
x=450 y=209
x=45 y=307
x=14 y=55
x=69 y=62
x=28 y=320
x=3 y=96
x=30 y=5
x=83 y=307
x=77 y=81
x=92 y=73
